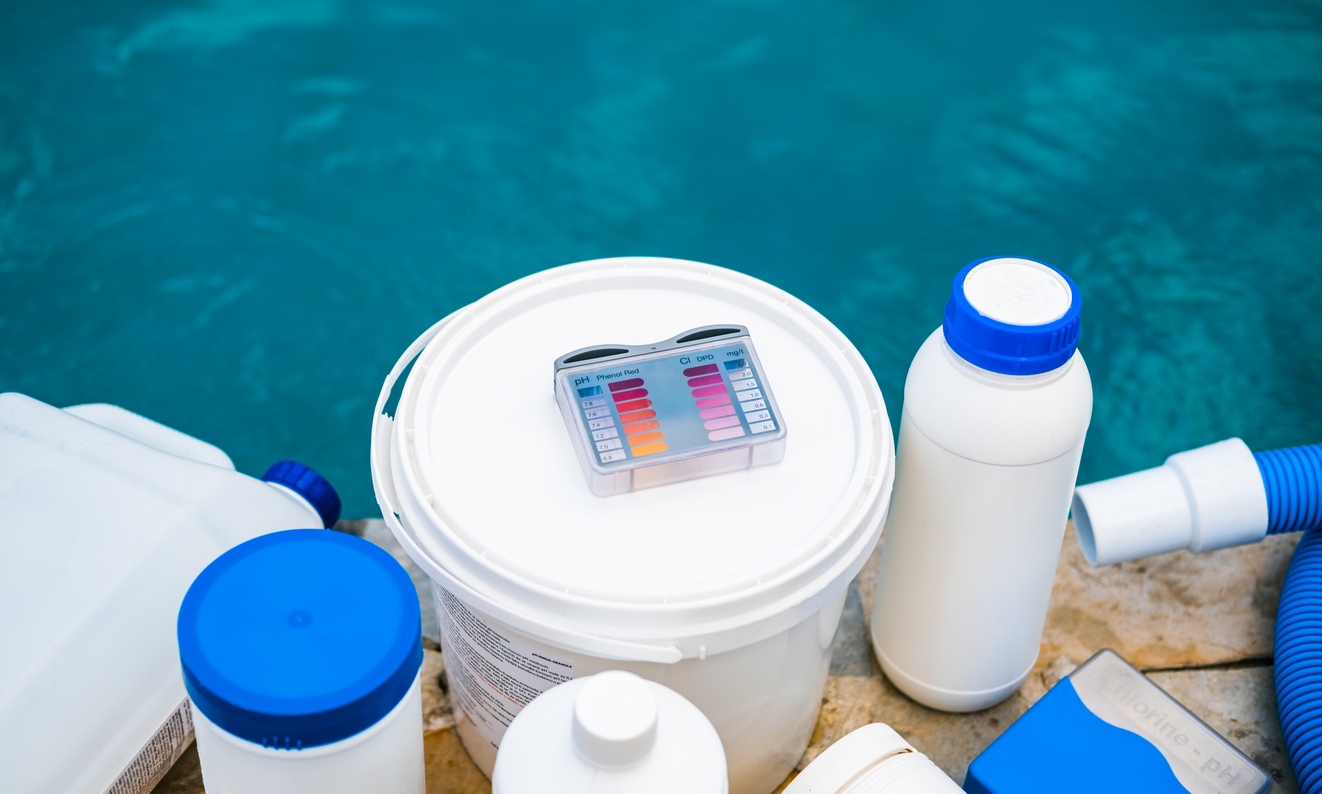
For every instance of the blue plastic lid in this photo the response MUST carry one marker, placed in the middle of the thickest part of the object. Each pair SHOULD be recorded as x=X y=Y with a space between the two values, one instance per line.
x=1013 y=316
x=305 y=482
x=300 y=638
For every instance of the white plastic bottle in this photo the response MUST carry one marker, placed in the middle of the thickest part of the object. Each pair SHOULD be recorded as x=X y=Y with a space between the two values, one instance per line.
x=610 y=733
x=996 y=406
x=872 y=760
x=105 y=519
x=301 y=652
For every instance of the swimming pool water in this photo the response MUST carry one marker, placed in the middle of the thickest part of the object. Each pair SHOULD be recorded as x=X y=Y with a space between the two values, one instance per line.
x=233 y=215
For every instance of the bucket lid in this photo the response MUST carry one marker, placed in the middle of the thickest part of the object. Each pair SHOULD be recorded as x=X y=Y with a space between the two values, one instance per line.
x=610 y=733
x=481 y=471
x=300 y=638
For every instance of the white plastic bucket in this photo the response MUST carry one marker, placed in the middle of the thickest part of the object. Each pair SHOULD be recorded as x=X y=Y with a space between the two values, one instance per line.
x=726 y=589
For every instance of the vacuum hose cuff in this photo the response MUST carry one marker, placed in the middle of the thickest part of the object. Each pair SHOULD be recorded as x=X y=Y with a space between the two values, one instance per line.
x=1204 y=499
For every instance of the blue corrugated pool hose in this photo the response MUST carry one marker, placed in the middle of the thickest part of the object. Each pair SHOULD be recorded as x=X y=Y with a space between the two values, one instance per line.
x=1293 y=481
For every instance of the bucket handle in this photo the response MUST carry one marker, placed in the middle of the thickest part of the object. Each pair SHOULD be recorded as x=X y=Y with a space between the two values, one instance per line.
x=384 y=486
x=385 y=496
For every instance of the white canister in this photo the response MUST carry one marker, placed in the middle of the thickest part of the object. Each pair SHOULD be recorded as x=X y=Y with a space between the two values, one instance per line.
x=301 y=652
x=131 y=511
x=996 y=406
x=872 y=760
x=610 y=733
x=726 y=589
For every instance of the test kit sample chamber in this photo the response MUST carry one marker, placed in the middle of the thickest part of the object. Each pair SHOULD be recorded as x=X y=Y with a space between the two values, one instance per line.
x=727 y=589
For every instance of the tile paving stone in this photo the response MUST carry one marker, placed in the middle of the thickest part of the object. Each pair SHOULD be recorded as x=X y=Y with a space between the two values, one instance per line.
x=1199 y=625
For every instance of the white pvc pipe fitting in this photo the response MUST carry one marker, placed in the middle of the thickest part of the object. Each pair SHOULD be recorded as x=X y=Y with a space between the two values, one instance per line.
x=1207 y=498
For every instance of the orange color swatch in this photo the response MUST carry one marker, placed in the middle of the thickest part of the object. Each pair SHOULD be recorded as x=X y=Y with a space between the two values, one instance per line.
x=643 y=427
x=638 y=416
x=649 y=449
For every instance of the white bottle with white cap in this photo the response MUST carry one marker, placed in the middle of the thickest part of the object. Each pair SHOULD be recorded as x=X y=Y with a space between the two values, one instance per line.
x=610 y=733
x=996 y=406
x=872 y=760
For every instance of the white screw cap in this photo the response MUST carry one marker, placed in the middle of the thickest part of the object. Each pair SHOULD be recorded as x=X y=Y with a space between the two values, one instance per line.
x=1017 y=292
x=615 y=720
x=610 y=733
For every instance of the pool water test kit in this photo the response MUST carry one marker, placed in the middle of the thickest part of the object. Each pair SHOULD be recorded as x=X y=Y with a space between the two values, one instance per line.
x=693 y=405
x=1104 y=728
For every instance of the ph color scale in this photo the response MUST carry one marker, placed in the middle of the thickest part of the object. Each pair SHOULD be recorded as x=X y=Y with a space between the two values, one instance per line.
x=626 y=401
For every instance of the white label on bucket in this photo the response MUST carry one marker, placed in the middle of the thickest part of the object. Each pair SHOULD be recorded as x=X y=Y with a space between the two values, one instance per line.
x=492 y=676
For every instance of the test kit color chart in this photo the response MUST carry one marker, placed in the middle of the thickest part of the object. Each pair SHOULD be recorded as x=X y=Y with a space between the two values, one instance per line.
x=622 y=410
x=694 y=400
x=714 y=402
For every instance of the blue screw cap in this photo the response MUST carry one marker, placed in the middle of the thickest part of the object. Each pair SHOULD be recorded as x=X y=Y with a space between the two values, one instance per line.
x=300 y=638
x=1013 y=316
x=308 y=484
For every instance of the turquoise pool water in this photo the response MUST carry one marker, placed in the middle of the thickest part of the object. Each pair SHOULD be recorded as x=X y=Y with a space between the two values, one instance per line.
x=233 y=215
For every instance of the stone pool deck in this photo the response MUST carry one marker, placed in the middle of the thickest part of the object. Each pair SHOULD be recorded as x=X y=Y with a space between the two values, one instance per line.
x=1200 y=626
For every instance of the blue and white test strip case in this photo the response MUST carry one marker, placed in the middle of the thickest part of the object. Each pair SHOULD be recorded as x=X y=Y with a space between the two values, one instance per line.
x=1105 y=729
x=645 y=415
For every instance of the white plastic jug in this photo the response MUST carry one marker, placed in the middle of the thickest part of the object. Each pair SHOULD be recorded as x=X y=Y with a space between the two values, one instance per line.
x=105 y=520
x=610 y=733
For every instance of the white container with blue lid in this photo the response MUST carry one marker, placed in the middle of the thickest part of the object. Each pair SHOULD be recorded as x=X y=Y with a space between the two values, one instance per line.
x=301 y=653
x=996 y=406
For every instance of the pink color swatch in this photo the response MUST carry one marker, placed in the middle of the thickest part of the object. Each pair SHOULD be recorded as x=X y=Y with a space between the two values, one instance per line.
x=712 y=402
x=717 y=424
x=705 y=391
